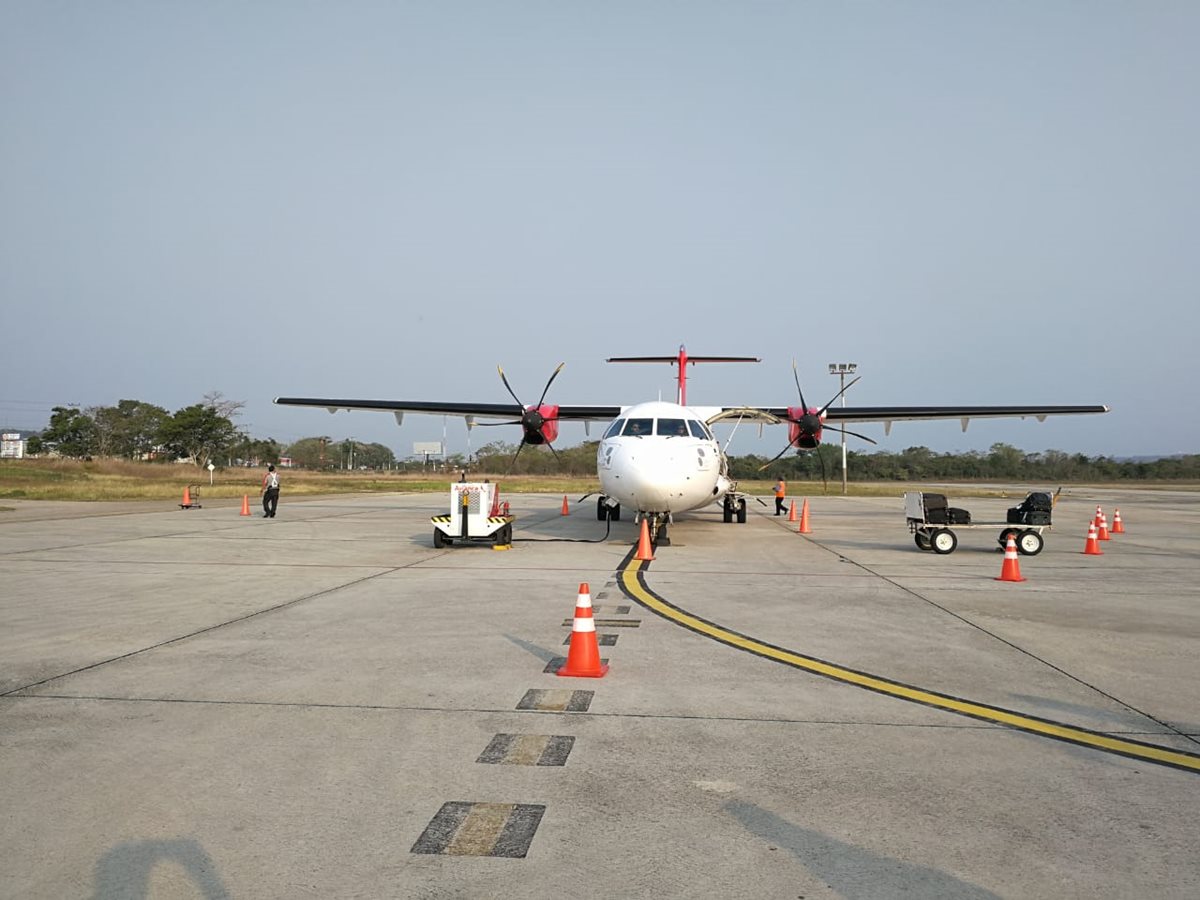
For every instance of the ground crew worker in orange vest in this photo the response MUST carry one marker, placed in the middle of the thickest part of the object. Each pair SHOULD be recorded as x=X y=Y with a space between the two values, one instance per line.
x=780 y=493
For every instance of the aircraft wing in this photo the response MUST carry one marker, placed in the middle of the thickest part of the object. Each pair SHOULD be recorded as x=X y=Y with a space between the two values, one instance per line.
x=469 y=411
x=890 y=414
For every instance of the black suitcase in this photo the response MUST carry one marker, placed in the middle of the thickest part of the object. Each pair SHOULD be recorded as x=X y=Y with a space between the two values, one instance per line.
x=936 y=516
x=1016 y=515
x=956 y=516
x=934 y=501
x=1040 y=501
x=1037 y=517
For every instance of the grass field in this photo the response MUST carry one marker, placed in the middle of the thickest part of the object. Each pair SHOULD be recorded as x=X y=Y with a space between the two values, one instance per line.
x=52 y=479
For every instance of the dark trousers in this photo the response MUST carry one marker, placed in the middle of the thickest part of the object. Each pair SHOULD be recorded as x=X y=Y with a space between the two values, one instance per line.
x=270 y=501
x=779 y=510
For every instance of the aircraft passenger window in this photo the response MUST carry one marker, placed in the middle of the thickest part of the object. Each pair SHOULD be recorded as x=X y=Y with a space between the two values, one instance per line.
x=672 y=428
x=614 y=428
x=639 y=427
x=698 y=430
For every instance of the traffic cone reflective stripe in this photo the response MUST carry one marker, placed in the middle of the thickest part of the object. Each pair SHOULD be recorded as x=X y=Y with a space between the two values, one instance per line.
x=1117 y=528
x=644 y=551
x=1096 y=520
x=1092 y=548
x=804 y=529
x=1102 y=529
x=245 y=504
x=792 y=512
x=1011 y=569
x=565 y=509
x=583 y=656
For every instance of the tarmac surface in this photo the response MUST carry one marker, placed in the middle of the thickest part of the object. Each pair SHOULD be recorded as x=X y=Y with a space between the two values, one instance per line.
x=199 y=704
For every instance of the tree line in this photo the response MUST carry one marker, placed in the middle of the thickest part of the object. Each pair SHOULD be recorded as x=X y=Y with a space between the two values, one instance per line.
x=1002 y=462
x=201 y=433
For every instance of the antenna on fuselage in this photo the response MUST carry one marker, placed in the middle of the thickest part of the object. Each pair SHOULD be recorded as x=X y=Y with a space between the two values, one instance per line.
x=682 y=361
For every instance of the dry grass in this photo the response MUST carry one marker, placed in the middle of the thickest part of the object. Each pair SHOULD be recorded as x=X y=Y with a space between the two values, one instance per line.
x=57 y=479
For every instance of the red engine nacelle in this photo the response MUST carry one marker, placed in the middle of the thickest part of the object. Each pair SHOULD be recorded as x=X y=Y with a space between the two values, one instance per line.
x=540 y=424
x=804 y=427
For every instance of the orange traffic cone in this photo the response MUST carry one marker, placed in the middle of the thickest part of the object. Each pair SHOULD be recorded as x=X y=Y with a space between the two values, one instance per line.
x=1091 y=548
x=495 y=510
x=644 y=551
x=1102 y=529
x=1099 y=514
x=583 y=656
x=1117 y=528
x=804 y=529
x=792 y=512
x=1011 y=569
x=566 y=511
x=245 y=504
x=187 y=498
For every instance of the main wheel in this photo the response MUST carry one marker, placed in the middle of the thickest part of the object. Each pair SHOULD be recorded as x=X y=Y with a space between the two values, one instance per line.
x=1030 y=543
x=741 y=512
x=921 y=539
x=727 y=512
x=615 y=513
x=943 y=541
x=601 y=510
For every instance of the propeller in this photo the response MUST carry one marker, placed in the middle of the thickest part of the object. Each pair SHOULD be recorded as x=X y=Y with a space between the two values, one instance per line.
x=532 y=419
x=805 y=428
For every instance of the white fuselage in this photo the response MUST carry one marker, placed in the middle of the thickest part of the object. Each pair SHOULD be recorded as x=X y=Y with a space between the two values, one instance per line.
x=660 y=457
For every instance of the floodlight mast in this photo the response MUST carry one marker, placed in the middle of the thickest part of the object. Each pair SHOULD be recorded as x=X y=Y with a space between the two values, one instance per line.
x=841 y=370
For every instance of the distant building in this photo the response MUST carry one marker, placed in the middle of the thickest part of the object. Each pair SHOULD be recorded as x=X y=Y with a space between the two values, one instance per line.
x=285 y=462
x=12 y=445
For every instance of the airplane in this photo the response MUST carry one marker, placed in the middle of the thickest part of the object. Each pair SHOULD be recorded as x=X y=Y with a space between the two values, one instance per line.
x=660 y=458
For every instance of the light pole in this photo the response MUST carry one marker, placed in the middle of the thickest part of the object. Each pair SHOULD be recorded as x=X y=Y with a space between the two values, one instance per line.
x=841 y=370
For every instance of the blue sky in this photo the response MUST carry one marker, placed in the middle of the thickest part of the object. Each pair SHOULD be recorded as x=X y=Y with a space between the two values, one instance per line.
x=976 y=202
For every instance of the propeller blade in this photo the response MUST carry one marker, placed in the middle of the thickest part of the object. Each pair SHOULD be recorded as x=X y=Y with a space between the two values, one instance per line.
x=851 y=433
x=508 y=387
x=488 y=424
x=553 y=452
x=777 y=457
x=849 y=385
x=546 y=390
x=512 y=462
x=796 y=376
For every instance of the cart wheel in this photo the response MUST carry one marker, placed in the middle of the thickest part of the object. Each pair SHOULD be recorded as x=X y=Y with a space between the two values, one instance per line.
x=439 y=539
x=1004 y=535
x=1030 y=543
x=943 y=541
x=921 y=539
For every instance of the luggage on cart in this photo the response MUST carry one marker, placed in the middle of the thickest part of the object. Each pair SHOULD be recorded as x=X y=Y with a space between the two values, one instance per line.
x=1033 y=510
x=957 y=516
x=936 y=507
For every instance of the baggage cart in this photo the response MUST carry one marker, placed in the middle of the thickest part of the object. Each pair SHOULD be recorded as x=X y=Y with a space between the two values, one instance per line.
x=927 y=518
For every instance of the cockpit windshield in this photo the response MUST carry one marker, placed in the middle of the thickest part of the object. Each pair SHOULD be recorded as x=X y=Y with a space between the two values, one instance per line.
x=615 y=428
x=639 y=428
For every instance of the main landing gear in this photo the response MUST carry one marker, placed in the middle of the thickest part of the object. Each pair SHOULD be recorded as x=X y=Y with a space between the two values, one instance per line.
x=734 y=507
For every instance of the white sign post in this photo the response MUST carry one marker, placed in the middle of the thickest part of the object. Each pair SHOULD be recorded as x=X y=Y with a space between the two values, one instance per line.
x=210 y=471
